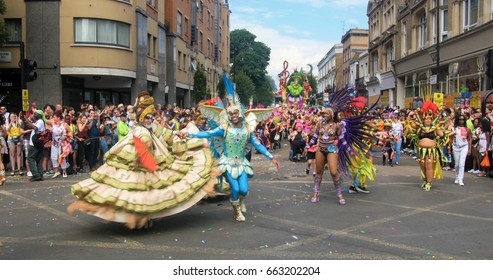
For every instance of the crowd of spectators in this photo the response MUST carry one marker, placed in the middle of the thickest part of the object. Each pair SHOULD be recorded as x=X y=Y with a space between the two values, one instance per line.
x=91 y=131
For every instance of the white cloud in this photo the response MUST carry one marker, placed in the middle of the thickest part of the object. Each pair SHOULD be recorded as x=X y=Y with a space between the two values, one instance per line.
x=298 y=52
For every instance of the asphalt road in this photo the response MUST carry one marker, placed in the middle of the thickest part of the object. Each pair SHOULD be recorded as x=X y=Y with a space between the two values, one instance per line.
x=395 y=221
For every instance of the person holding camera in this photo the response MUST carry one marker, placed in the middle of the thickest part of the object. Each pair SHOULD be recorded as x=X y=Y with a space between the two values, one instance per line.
x=83 y=142
x=14 y=142
x=106 y=130
x=94 y=138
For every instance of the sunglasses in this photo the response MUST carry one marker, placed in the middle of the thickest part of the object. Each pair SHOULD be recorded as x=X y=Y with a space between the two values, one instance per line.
x=461 y=119
x=148 y=117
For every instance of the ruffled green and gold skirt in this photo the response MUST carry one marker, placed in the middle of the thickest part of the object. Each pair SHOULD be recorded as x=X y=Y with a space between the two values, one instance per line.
x=122 y=190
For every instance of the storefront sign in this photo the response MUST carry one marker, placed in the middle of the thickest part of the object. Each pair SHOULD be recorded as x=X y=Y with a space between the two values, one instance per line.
x=25 y=100
x=5 y=57
x=438 y=99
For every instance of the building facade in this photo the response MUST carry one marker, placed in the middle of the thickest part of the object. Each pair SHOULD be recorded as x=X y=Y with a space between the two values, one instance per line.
x=382 y=20
x=329 y=74
x=101 y=51
x=198 y=39
x=448 y=57
x=354 y=42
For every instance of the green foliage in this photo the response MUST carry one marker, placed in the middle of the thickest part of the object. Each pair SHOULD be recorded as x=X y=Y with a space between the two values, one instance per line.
x=221 y=89
x=264 y=94
x=313 y=83
x=244 y=87
x=249 y=57
x=199 y=85
x=4 y=34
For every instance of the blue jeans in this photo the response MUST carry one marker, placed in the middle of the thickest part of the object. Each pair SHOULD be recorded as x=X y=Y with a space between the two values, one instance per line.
x=104 y=146
x=397 y=149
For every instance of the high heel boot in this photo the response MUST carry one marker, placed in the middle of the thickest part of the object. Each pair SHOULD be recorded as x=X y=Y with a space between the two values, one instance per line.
x=237 y=211
x=242 y=204
x=338 y=186
x=316 y=188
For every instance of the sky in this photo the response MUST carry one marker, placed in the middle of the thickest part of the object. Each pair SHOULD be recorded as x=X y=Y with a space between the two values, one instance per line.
x=298 y=31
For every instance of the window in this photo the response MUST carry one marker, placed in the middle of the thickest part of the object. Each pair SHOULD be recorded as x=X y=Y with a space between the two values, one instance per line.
x=186 y=25
x=102 y=31
x=404 y=38
x=390 y=56
x=149 y=44
x=444 y=22
x=178 y=23
x=154 y=46
x=375 y=63
x=151 y=3
x=14 y=29
x=179 y=60
x=201 y=11
x=470 y=12
x=201 y=41
x=422 y=31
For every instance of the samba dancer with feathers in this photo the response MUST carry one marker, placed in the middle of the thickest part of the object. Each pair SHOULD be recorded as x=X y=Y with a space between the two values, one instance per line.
x=238 y=130
x=429 y=135
x=339 y=142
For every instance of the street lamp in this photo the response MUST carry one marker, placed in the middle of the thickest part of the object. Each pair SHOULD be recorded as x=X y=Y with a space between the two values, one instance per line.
x=437 y=4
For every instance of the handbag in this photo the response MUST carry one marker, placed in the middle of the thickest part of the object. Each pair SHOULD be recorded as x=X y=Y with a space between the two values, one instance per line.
x=486 y=161
x=87 y=142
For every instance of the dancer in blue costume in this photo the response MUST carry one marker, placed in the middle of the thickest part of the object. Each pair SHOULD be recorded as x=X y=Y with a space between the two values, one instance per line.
x=237 y=129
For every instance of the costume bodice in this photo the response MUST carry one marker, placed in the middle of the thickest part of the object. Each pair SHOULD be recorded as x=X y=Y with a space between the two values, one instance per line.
x=327 y=134
x=235 y=143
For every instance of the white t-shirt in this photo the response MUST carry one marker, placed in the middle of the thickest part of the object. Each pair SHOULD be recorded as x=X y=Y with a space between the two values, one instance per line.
x=460 y=137
x=397 y=128
x=40 y=124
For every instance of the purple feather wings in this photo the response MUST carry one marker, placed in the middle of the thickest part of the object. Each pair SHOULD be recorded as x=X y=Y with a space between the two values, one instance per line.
x=354 y=132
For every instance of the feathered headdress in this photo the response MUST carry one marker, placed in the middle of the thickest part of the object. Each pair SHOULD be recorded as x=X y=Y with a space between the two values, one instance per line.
x=340 y=100
x=220 y=115
x=428 y=110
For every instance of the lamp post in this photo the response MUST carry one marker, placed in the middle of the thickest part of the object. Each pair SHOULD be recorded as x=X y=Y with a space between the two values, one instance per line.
x=437 y=4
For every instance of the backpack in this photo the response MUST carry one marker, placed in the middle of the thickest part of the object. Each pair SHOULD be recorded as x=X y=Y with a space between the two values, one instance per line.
x=40 y=139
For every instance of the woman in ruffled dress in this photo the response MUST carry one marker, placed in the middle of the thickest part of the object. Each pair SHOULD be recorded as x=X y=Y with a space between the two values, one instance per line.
x=149 y=174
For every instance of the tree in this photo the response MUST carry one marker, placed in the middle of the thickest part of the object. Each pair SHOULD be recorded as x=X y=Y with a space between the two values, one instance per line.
x=312 y=80
x=199 y=85
x=244 y=87
x=249 y=56
x=264 y=94
x=4 y=34
x=221 y=89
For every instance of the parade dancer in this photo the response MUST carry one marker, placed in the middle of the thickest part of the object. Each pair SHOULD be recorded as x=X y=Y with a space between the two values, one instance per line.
x=338 y=143
x=429 y=136
x=148 y=174
x=237 y=129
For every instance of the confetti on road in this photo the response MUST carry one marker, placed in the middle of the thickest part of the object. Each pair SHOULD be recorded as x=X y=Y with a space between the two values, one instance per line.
x=295 y=237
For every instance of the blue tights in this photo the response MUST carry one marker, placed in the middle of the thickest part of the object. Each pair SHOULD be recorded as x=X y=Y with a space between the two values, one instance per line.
x=239 y=186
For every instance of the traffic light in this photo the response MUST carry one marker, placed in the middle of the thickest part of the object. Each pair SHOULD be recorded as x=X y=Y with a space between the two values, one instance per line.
x=489 y=63
x=30 y=70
